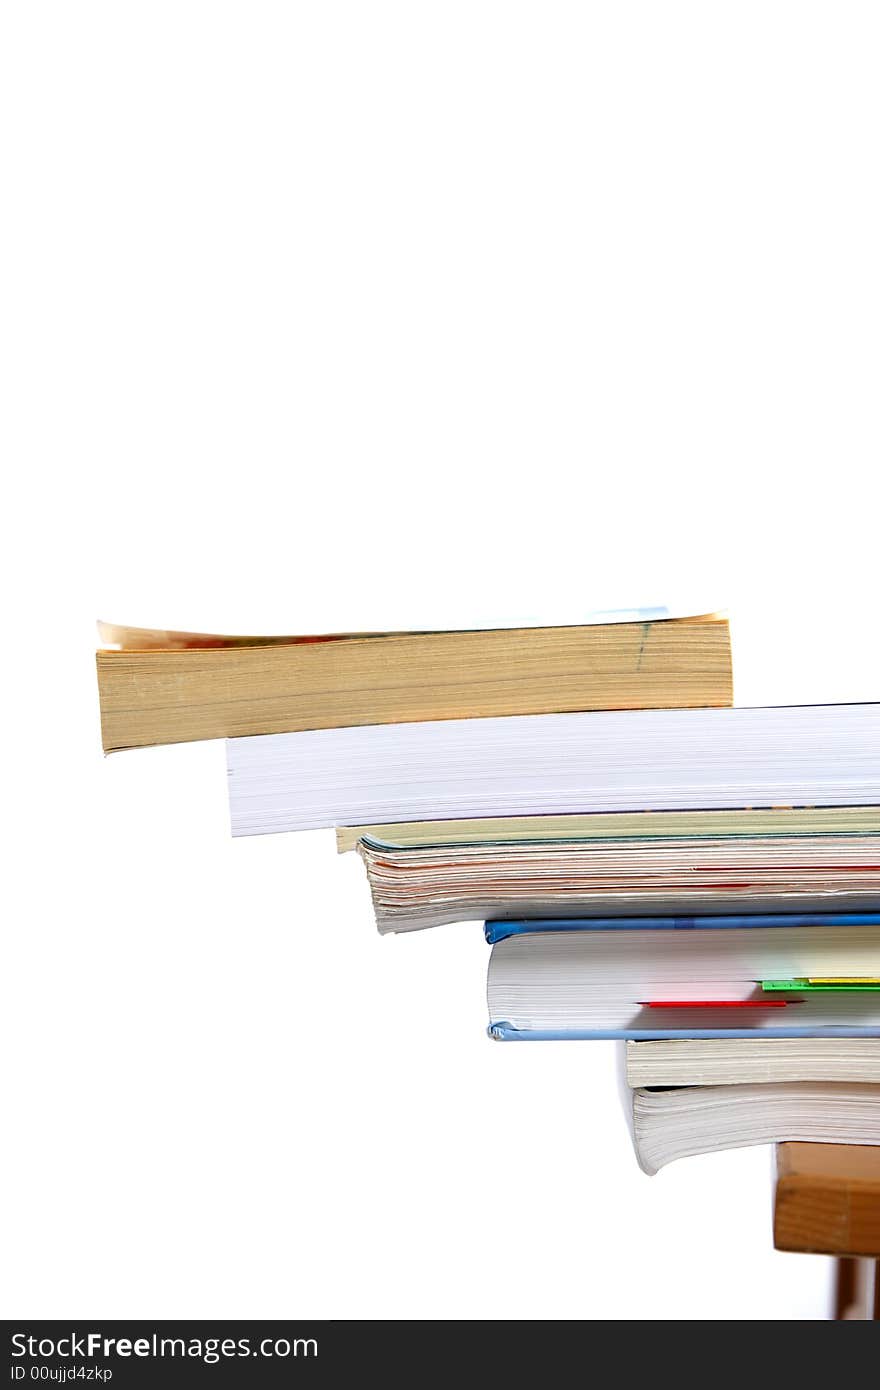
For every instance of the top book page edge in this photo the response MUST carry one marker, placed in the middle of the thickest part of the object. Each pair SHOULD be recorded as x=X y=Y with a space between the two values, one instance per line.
x=120 y=637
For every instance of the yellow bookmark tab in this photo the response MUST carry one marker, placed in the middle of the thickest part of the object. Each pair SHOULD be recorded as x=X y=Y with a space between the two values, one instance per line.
x=843 y=979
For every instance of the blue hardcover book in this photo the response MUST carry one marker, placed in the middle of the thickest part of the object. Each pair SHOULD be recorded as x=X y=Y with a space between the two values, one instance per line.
x=687 y=977
x=497 y=930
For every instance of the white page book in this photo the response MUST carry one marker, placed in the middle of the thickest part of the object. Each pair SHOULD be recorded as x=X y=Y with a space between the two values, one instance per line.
x=679 y=1123
x=616 y=760
x=640 y=983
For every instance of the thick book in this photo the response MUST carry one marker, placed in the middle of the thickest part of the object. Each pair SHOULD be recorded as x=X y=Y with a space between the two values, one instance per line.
x=737 y=1061
x=645 y=983
x=684 y=1121
x=162 y=687
x=617 y=825
x=415 y=887
x=555 y=764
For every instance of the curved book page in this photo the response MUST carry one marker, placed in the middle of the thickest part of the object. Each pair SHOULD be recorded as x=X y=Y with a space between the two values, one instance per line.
x=124 y=637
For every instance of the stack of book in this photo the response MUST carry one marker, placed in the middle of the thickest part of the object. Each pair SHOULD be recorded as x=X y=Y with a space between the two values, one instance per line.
x=651 y=864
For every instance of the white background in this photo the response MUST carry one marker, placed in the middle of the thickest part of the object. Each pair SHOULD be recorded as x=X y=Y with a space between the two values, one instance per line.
x=342 y=315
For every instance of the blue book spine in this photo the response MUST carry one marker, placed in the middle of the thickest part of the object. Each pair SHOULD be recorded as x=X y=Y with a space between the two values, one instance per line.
x=497 y=931
x=504 y=1032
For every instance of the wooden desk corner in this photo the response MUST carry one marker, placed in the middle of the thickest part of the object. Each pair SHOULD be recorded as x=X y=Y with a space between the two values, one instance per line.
x=827 y=1202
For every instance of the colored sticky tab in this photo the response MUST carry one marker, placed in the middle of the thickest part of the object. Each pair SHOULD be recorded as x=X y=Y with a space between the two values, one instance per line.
x=868 y=981
x=715 y=1003
x=823 y=986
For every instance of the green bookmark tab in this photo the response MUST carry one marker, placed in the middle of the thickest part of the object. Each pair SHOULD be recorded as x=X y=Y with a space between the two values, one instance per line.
x=805 y=986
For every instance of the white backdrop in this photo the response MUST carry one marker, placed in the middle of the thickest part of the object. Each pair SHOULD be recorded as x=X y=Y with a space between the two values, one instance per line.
x=338 y=315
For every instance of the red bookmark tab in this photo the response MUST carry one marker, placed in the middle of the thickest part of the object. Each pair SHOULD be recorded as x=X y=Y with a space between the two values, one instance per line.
x=716 y=1004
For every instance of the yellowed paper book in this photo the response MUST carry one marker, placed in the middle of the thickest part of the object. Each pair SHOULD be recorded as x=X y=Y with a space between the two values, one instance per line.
x=732 y=1061
x=828 y=820
x=158 y=686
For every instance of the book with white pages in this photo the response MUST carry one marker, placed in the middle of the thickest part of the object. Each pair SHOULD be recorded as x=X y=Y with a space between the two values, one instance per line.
x=681 y=1122
x=553 y=764
x=557 y=980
